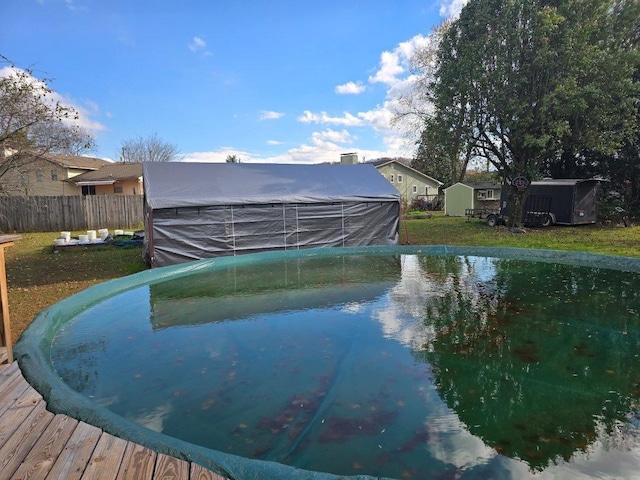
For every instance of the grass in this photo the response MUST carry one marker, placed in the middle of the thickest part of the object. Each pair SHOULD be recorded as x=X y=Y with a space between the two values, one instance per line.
x=39 y=277
x=441 y=230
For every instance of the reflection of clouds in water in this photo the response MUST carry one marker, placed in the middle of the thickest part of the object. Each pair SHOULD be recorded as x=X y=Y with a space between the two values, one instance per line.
x=107 y=401
x=451 y=443
x=615 y=454
x=352 y=307
x=401 y=313
x=455 y=445
x=152 y=420
x=404 y=314
x=482 y=268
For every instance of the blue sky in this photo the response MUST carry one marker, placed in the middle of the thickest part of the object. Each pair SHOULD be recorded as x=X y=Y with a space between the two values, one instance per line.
x=267 y=80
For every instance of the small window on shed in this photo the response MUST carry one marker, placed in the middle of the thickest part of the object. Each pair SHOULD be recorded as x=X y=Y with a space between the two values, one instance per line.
x=54 y=175
x=490 y=194
x=399 y=178
x=392 y=178
x=117 y=189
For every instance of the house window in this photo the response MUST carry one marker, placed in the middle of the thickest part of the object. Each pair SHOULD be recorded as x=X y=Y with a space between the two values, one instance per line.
x=88 y=190
x=399 y=178
x=117 y=189
x=392 y=178
x=39 y=176
x=489 y=194
x=415 y=189
x=54 y=175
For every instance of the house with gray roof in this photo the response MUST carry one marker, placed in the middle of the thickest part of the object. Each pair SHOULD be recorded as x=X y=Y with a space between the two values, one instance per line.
x=48 y=174
x=111 y=179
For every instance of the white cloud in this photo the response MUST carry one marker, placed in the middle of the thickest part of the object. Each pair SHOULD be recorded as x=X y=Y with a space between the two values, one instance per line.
x=274 y=142
x=389 y=69
x=198 y=45
x=397 y=62
x=219 y=156
x=347 y=119
x=332 y=136
x=270 y=115
x=452 y=8
x=319 y=149
x=70 y=4
x=350 y=88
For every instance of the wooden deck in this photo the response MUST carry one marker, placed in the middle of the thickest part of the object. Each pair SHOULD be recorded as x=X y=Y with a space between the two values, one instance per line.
x=37 y=444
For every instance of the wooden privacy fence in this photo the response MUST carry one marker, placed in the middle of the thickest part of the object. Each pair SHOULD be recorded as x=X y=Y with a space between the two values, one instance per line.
x=72 y=213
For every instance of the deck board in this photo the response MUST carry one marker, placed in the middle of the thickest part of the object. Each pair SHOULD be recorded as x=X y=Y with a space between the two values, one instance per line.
x=106 y=459
x=137 y=463
x=35 y=444
x=22 y=441
x=170 y=468
x=75 y=456
x=17 y=413
x=11 y=392
x=198 y=472
x=40 y=459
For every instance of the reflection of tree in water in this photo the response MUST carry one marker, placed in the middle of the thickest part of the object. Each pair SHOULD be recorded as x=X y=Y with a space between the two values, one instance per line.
x=537 y=359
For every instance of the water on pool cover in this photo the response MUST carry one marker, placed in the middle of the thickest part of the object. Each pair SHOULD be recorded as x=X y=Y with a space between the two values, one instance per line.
x=397 y=366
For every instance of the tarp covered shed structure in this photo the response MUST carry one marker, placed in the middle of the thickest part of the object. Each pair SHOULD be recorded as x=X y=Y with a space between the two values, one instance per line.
x=204 y=210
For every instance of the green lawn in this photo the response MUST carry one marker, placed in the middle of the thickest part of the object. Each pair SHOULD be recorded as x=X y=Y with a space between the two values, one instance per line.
x=441 y=230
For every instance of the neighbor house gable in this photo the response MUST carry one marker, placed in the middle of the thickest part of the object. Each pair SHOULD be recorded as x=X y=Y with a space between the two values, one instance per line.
x=410 y=182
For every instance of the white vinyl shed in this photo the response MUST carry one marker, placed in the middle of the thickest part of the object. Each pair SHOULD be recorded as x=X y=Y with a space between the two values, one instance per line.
x=203 y=210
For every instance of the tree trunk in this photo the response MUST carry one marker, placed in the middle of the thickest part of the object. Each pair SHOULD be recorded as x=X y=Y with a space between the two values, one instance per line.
x=516 y=201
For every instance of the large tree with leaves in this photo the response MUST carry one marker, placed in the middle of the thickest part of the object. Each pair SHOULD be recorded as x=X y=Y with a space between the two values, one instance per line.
x=33 y=122
x=521 y=82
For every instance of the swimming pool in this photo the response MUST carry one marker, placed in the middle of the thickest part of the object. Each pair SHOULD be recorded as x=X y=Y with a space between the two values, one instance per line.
x=395 y=361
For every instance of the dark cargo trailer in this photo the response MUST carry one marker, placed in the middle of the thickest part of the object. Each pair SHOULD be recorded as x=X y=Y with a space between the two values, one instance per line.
x=567 y=201
x=573 y=201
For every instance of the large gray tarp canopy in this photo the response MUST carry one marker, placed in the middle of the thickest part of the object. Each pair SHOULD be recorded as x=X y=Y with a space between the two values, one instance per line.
x=202 y=210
